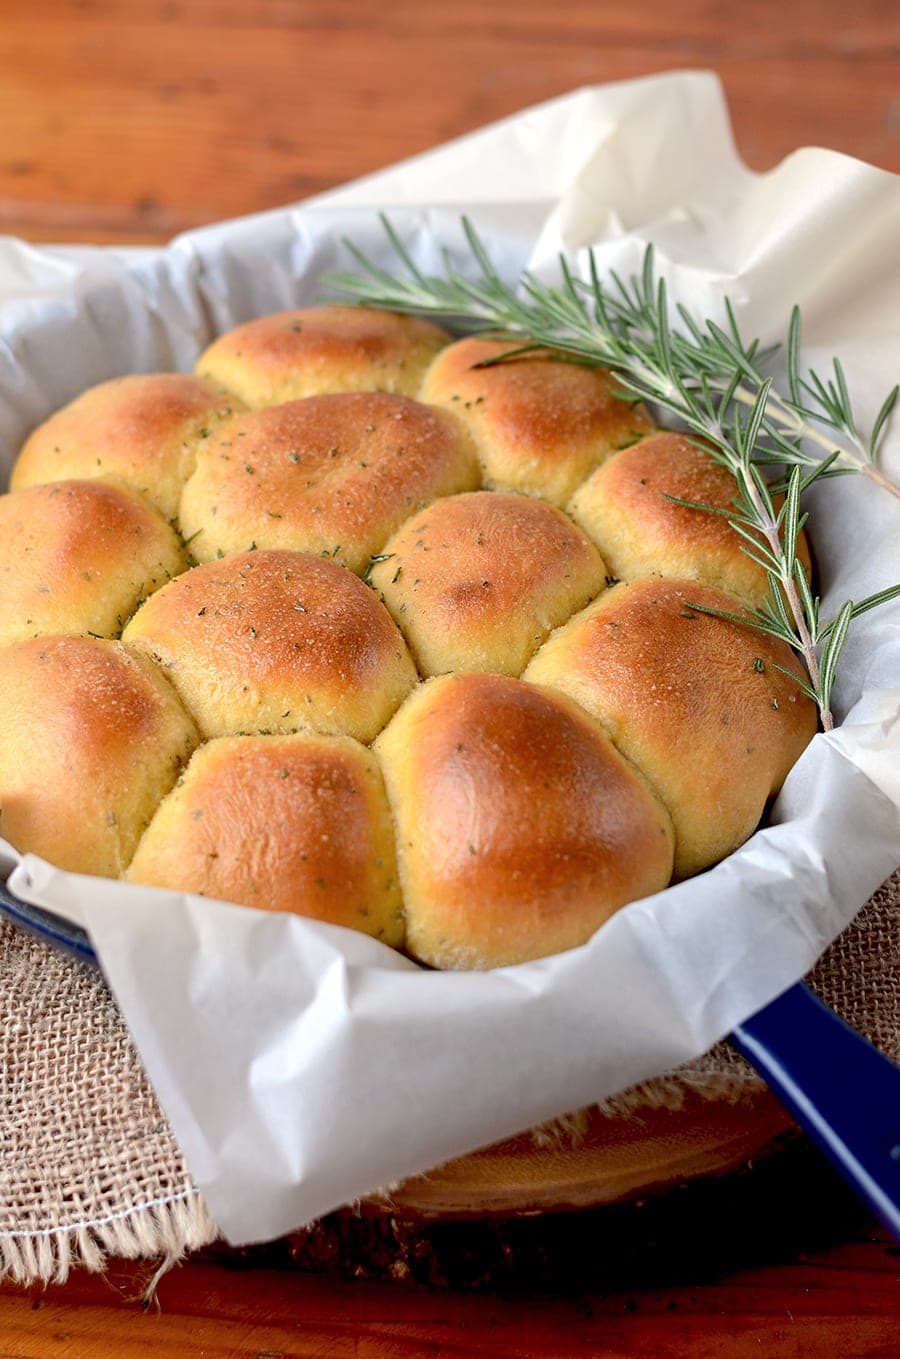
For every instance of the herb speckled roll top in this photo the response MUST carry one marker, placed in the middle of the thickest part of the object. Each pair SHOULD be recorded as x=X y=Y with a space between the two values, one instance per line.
x=414 y=655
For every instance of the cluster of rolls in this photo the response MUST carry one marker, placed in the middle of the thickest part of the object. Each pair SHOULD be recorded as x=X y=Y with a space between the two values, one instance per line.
x=355 y=625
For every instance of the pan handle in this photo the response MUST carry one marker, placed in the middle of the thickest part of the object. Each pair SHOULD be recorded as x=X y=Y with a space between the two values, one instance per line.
x=841 y=1090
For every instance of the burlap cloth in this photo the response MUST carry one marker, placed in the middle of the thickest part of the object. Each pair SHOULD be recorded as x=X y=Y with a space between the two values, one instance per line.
x=89 y=1166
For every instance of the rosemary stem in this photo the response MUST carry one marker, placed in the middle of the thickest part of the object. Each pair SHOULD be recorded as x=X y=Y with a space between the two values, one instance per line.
x=792 y=424
x=768 y=528
x=880 y=480
x=809 y=652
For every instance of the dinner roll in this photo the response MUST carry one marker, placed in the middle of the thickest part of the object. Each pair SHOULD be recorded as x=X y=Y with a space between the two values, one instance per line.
x=322 y=349
x=697 y=703
x=145 y=429
x=91 y=738
x=540 y=423
x=276 y=642
x=476 y=581
x=520 y=829
x=76 y=556
x=333 y=474
x=286 y=823
x=623 y=507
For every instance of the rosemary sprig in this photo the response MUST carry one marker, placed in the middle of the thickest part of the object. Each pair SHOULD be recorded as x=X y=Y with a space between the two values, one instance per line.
x=709 y=378
x=816 y=411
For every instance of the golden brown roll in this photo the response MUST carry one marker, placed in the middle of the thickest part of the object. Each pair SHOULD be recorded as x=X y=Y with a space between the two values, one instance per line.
x=285 y=823
x=540 y=423
x=623 y=507
x=322 y=349
x=91 y=738
x=477 y=581
x=145 y=429
x=520 y=829
x=276 y=642
x=76 y=556
x=695 y=702
x=330 y=474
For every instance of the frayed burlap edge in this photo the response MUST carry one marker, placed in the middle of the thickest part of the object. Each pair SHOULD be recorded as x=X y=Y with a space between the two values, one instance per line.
x=663 y=1092
x=168 y=1229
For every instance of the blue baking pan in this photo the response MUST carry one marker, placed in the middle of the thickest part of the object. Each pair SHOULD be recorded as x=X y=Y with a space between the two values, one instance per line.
x=52 y=928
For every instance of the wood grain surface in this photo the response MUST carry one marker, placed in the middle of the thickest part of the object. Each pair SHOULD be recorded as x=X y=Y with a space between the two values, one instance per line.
x=840 y=1304
x=130 y=120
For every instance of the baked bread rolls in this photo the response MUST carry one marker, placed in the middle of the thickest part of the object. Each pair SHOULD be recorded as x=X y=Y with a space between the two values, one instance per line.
x=77 y=556
x=520 y=828
x=332 y=474
x=144 y=429
x=289 y=823
x=397 y=550
x=91 y=738
x=276 y=642
x=477 y=581
x=540 y=422
x=322 y=349
x=624 y=507
x=700 y=705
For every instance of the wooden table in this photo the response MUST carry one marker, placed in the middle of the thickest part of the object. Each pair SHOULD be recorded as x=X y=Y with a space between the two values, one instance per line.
x=839 y=1303
x=777 y=1260
x=130 y=121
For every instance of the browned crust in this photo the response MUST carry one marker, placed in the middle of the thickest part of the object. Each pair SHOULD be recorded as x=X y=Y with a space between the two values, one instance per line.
x=276 y=641
x=313 y=350
x=519 y=828
x=477 y=581
x=695 y=702
x=90 y=739
x=541 y=424
x=335 y=474
x=623 y=506
x=143 y=428
x=75 y=556
x=289 y=823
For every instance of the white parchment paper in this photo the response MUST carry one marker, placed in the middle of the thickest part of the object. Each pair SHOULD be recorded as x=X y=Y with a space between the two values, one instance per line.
x=302 y=1065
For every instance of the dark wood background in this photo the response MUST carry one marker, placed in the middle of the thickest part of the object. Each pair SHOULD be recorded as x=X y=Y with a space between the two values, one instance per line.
x=130 y=120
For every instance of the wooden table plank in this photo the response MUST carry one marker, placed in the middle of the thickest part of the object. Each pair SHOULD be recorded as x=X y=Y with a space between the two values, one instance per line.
x=778 y=1261
x=840 y=1302
x=132 y=122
